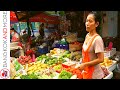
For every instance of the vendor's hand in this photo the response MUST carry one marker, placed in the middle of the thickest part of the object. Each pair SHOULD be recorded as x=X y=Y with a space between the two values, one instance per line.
x=82 y=66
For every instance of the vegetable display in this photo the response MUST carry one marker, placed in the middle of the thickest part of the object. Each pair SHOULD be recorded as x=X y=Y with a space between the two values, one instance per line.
x=58 y=64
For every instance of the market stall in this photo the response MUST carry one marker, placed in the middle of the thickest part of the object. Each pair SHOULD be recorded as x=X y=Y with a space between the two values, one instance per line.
x=32 y=16
x=60 y=61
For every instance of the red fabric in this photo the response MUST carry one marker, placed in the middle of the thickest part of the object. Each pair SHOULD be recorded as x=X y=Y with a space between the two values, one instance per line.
x=29 y=52
x=42 y=17
x=14 y=39
x=13 y=17
x=20 y=44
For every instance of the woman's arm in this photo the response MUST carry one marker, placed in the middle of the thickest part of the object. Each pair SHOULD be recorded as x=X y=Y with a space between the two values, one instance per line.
x=100 y=59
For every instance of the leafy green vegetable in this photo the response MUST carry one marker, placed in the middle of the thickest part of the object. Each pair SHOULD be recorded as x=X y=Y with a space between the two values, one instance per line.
x=29 y=76
x=65 y=75
x=17 y=65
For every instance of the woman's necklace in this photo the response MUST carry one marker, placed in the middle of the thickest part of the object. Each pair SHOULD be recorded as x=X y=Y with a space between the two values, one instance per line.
x=88 y=39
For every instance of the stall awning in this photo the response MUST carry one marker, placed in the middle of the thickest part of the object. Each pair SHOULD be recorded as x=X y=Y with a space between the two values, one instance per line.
x=33 y=16
x=42 y=17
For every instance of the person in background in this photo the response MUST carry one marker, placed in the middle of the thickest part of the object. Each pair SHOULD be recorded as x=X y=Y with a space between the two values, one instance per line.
x=24 y=32
x=10 y=37
x=14 y=35
x=41 y=30
x=93 y=49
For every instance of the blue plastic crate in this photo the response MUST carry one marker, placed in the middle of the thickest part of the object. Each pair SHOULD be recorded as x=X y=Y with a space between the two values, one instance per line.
x=43 y=50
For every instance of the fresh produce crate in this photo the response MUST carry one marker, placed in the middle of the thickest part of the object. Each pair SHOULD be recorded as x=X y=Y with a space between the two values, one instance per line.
x=110 y=53
x=109 y=76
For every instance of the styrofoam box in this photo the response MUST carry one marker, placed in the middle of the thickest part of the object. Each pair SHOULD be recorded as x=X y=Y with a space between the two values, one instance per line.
x=113 y=66
x=110 y=53
x=109 y=76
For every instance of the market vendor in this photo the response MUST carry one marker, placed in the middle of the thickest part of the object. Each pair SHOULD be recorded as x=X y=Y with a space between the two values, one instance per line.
x=14 y=35
x=93 y=49
x=41 y=30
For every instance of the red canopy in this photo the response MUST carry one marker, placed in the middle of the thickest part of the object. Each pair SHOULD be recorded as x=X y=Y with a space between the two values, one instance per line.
x=42 y=17
x=13 y=17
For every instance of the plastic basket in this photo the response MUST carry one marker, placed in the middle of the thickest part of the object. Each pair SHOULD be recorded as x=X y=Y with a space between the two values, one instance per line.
x=43 y=50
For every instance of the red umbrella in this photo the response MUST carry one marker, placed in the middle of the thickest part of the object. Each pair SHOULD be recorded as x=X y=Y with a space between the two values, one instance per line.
x=42 y=17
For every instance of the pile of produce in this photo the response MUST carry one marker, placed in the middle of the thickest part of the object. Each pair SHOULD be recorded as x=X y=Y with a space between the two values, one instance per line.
x=24 y=60
x=75 y=71
x=47 y=74
x=64 y=75
x=107 y=62
x=40 y=58
x=50 y=60
x=58 y=68
x=57 y=51
x=54 y=61
x=35 y=67
x=29 y=76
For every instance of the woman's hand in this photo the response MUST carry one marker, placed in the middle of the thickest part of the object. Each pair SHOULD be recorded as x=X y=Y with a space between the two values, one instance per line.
x=82 y=66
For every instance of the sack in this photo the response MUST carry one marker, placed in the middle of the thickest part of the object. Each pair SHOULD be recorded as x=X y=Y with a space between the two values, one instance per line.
x=75 y=47
x=71 y=38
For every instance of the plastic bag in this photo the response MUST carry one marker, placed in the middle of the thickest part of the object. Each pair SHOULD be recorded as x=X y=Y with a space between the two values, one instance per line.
x=12 y=71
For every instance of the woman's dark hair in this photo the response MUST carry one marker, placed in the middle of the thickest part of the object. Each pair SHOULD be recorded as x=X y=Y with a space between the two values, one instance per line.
x=98 y=18
x=42 y=24
x=15 y=31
